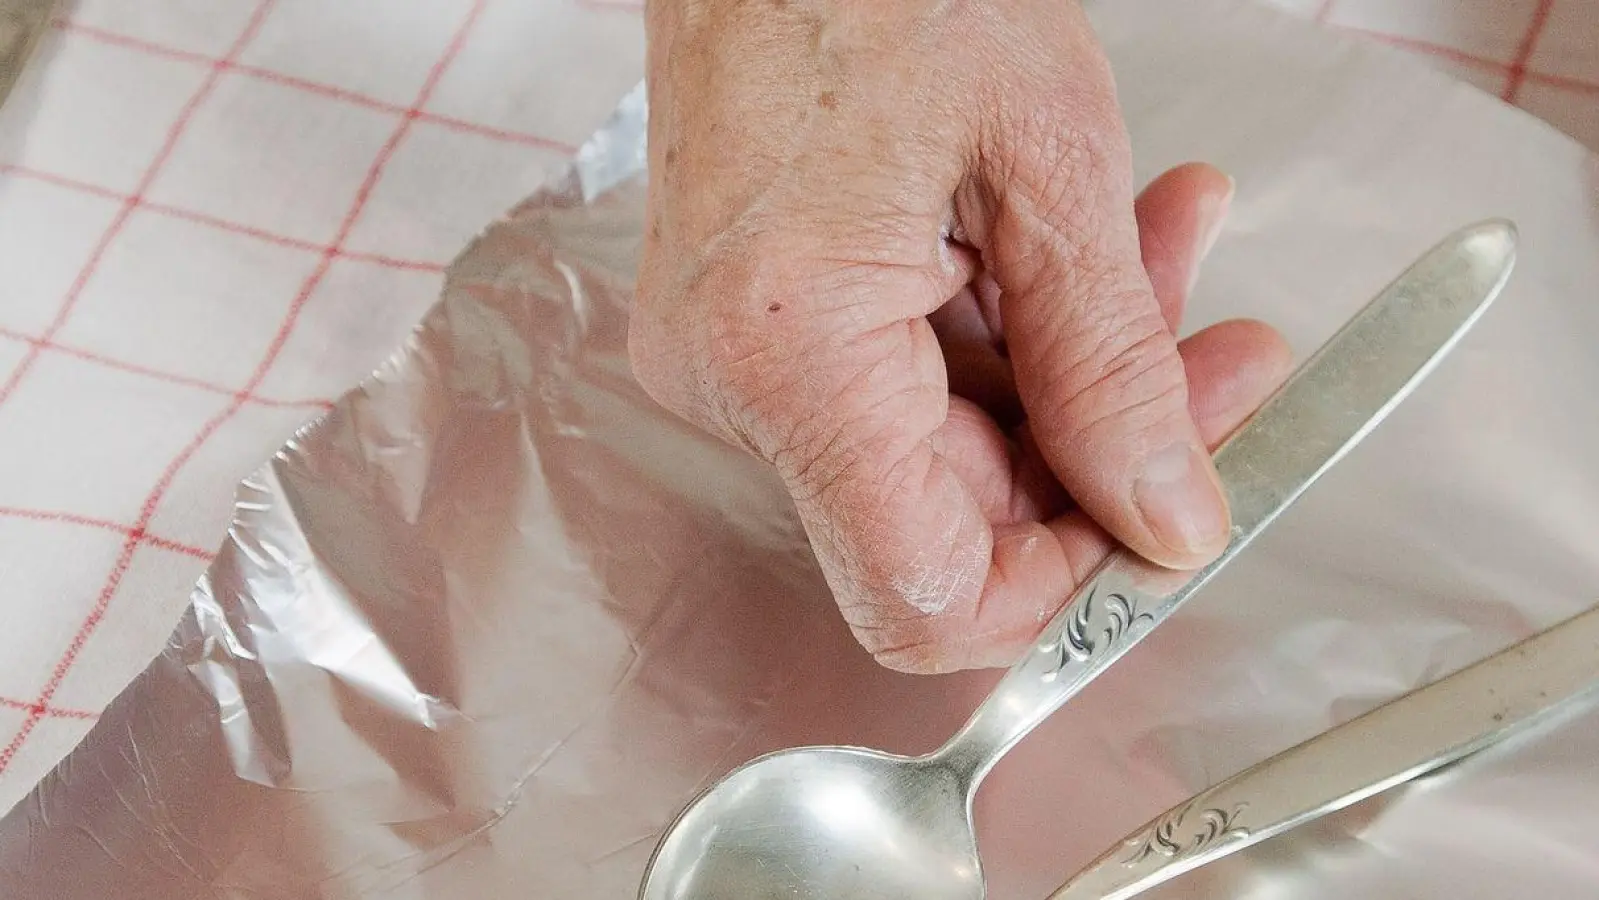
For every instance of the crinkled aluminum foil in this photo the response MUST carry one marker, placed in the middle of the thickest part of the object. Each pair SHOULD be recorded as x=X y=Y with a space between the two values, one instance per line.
x=482 y=630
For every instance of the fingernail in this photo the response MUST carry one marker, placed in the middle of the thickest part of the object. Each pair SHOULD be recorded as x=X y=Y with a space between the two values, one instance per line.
x=1181 y=503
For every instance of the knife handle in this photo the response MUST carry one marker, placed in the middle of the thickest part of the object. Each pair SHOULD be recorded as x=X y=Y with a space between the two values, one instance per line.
x=1479 y=706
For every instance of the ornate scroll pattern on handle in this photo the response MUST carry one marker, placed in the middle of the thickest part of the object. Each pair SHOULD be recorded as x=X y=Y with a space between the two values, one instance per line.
x=1175 y=837
x=1094 y=628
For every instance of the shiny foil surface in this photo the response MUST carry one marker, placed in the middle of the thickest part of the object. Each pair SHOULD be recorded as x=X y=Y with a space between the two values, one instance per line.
x=481 y=631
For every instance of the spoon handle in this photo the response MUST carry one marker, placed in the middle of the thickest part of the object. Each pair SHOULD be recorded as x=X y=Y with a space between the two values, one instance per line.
x=1333 y=401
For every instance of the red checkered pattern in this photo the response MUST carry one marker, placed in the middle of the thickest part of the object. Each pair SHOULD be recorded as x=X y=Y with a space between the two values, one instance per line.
x=215 y=222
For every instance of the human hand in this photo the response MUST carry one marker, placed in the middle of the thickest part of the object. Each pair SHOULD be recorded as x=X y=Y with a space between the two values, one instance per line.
x=893 y=250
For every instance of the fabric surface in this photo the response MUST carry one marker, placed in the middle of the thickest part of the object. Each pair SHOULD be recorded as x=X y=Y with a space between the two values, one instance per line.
x=215 y=216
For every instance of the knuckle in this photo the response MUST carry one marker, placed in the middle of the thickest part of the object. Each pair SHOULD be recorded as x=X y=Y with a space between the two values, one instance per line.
x=817 y=451
x=1066 y=142
x=702 y=349
x=1060 y=207
x=1054 y=164
x=1110 y=365
x=868 y=413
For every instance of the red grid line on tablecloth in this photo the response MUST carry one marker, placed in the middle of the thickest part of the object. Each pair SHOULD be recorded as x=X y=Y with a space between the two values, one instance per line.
x=449 y=123
x=279 y=340
x=1463 y=57
x=64 y=312
x=157 y=374
x=1575 y=85
x=1529 y=43
x=40 y=515
x=49 y=712
x=125 y=212
x=219 y=224
x=44 y=343
x=1427 y=48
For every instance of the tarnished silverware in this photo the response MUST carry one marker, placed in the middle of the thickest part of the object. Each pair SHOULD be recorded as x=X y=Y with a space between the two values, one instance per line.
x=827 y=823
x=1477 y=707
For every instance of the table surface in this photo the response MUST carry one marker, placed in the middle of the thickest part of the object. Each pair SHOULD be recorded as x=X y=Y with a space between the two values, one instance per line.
x=218 y=215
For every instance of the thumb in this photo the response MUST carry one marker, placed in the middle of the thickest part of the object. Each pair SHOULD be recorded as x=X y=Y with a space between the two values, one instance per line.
x=1096 y=364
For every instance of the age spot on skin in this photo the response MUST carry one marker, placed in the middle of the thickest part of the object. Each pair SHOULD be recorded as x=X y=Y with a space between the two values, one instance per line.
x=827 y=100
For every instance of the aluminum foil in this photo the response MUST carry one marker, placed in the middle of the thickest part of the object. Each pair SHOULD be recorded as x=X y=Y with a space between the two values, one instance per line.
x=483 y=629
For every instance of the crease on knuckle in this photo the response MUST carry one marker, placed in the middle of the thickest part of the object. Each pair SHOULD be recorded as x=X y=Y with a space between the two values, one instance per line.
x=816 y=471
x=1057 y=192
x=1131 y=367
x=849 y=425
x=1063 y=161
x=741 y=366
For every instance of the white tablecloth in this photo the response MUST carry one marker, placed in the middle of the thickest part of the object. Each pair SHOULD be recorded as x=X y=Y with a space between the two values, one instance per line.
x=216 y=215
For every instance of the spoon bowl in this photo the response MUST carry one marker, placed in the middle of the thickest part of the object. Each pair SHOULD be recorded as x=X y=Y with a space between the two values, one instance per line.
x=824 y=822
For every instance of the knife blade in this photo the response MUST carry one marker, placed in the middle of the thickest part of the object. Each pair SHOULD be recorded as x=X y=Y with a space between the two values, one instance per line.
x=1454 y=717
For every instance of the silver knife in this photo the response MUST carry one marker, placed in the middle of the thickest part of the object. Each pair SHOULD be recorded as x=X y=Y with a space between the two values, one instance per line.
x=1475 y=708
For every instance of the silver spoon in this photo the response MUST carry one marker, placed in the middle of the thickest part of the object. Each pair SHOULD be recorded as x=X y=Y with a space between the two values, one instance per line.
x=842 y=823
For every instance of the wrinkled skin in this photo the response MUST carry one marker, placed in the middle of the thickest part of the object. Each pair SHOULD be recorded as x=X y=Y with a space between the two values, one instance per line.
x=894 y=251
